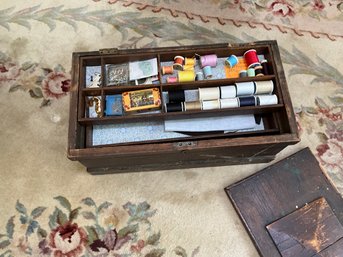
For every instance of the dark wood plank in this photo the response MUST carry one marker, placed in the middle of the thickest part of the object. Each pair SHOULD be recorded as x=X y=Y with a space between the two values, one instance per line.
x=277 y=191
x=306 y=231
x=335 y=250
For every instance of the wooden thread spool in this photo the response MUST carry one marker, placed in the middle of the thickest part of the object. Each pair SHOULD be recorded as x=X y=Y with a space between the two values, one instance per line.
x=209 y=93
x=167 y=70
x=192 y=106
x=264 y=87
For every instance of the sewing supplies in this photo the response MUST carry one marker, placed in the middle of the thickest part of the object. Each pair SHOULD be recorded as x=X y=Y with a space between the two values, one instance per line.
x=192 y=106
x=207 y=72
x=171 y=79
x=167 y=70
x=264 y=87
x=245 y=88
x=228 y=92
x=258 y=71
x=229 y=103
x=210 y=104
x=174 y=107
x=264 y=64
x=146 y=99
x=247 y=101
x=208 y=60
x=95 y=80
x=186 y=76
x=191 y=95
x=188 y=67
x=178 y=62
x=114 y=105
x=243 y=74
x=199 y=75
x=95 y=102
x=189 y=61
x=117 y=74
x=231 y=61
x=266 y=99
x=251 y=58
x=209 y=93
x=251 y=72
x=176 y=96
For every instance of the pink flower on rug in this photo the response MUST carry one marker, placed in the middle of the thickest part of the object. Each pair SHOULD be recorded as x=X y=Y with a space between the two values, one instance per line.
x=318 y=5
x=68 y=240
x=330 y=155
x=55 y=85
x=8 y=72
x=281 y=7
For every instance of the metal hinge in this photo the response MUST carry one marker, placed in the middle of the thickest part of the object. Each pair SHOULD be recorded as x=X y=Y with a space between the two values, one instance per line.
x=185 y=144
x=106 y=51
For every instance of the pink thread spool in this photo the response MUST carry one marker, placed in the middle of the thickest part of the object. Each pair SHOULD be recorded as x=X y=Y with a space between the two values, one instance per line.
x=208 y=60
x=171 y=79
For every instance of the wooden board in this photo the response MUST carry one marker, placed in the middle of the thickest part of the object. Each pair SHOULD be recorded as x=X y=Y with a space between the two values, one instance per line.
x=307 y=231
x=278 y=191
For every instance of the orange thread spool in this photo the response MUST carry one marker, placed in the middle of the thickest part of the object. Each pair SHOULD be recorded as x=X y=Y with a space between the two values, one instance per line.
x=178 y=62
x=167 y=70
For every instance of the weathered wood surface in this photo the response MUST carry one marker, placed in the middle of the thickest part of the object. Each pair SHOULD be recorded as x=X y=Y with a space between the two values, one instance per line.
x=279 y=190
x=307 y=231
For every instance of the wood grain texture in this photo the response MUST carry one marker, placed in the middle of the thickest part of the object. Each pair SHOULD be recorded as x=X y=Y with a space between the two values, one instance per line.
x=307 y=231
x=279 y=190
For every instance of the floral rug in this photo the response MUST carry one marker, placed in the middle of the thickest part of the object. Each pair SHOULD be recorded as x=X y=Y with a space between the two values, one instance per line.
x=51 y=206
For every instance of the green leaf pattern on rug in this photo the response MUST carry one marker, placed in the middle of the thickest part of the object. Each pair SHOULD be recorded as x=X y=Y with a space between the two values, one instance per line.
x=87 y=230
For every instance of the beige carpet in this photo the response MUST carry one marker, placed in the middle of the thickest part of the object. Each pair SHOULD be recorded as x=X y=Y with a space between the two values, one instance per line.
x=165 y=213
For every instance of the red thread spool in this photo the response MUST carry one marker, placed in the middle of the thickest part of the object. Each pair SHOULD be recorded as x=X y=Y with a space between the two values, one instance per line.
x=251 y=58
x=178 y=62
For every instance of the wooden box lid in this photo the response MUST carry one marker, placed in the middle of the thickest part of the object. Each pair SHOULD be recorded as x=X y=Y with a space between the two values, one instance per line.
x=279 y=196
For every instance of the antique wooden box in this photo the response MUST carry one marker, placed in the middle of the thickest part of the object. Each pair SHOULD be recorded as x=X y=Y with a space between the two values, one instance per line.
x=179 y=107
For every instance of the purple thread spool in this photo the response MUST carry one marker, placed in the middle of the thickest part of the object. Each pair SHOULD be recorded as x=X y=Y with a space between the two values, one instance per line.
x=208 y=60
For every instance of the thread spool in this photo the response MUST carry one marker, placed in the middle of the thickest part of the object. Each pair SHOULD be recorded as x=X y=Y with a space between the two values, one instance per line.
x=178 y=62
x=211 y=104
x=231 y=61
x=209 y=93
x=191 y=95
x=243 y=74
x=171 y=79
x=200 y=75
x=188 y=67
x=207 y=72
x=245 y=88
x=174 y=107
x=192 y=106
x=247 y=101
x=264 y=87
x=267 y=99
x=189 y=61
x=251 y=72
x=176 y=96
x=167 y=70
x=258 y=71
x=228 y=92
x=264 y=64
x=208 y=60
x=251 y=58
x=229 y=103
x=186 y=76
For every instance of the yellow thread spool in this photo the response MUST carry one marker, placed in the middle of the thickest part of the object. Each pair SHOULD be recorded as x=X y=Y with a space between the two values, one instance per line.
x=188 y=67
x=189 y=61
x=186 y=76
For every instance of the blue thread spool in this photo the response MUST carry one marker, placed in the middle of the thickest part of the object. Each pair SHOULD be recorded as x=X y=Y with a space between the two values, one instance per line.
x=199 y=75
x=231 y=61
x=243 y=74
x=251 y=72
x=207 y=72
x=247 y=101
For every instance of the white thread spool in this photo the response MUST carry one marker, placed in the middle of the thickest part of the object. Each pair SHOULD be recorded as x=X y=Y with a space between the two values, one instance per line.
x=211 y=105
x=209 y=93
x=245 y=88
x=228 y=92
x=229 y=103
x=264 y=87
x=267 y=99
